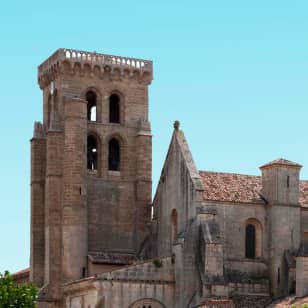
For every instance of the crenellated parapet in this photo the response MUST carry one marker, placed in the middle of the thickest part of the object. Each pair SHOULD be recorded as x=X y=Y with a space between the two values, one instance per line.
x=92 y=64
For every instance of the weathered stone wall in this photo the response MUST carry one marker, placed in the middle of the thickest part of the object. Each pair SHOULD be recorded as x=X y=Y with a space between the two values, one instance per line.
x=74 y=211
x=304 y=226
x=153 y=279
x=175 y=226
x=232 y=219
x=280 y=184
x=53 y=212
x=285 y=234
x=301 y=276
x=178 y=189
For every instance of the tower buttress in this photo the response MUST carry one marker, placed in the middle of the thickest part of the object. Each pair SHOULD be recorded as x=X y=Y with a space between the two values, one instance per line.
x=280 y=188
x=74 y=216
x=38 y=169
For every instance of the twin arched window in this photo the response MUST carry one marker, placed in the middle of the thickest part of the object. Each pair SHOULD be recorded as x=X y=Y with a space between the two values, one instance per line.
x=114 y=107
x=93 y=154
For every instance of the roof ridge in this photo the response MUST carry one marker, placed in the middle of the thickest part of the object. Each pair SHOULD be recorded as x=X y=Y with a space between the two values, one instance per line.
x=233 y=173
x=281 y=161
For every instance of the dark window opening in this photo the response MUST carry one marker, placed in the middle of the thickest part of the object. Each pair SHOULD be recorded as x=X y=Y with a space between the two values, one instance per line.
x=91 y=109
x=92 y=153
x=250 y=251
x=114 y=109
x=114 y=155
x=278 y=276
x=288 y=181
x=83 y=272
x=174 y=225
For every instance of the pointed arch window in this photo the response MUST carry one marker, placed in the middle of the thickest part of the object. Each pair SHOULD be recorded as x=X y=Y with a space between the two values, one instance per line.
x=92 y=153
x=91 y=98
x=114 y=155
x=114 y=108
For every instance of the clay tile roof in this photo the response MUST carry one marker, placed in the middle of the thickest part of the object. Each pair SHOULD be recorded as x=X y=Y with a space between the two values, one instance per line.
x=240 y=188
x=25 y=271
x=231 y=187
x=111 y=258
x=281 y=162
x=23 y=274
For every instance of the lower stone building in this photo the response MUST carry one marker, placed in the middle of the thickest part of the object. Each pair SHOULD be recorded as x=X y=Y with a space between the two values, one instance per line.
x=208 y=239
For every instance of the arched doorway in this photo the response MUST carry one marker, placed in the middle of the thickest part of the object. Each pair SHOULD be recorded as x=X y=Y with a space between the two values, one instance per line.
x=147 y=303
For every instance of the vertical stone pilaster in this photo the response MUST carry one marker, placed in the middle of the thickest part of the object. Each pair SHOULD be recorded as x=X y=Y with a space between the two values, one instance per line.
x=74 y=224
x=38 y=170
x=143 y=180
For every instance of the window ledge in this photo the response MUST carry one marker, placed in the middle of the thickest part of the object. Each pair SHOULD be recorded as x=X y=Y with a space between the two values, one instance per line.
x=114 y=173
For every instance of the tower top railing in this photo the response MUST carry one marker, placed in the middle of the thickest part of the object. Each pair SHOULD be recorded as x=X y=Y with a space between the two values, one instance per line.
x=94 y=58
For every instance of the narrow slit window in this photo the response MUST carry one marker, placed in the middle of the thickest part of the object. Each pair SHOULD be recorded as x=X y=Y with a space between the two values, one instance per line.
x=114 y=155
x=174 y=225
x=91 y=109
x=250 y=251
x=92 y=153
x=288 y=181
x=83 y=272
x=114 y=108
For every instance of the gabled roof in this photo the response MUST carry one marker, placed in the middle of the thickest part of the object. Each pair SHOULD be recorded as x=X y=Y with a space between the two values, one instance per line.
x=281 y=162
x=239 y=188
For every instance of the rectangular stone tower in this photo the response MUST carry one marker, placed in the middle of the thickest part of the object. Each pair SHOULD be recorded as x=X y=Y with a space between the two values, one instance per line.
x=91 y=167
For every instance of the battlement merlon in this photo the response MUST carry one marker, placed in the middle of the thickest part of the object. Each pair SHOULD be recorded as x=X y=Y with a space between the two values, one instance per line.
x=66 y=60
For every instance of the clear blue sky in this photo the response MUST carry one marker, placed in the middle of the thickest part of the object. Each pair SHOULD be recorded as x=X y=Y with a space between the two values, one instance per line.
x=235 y=73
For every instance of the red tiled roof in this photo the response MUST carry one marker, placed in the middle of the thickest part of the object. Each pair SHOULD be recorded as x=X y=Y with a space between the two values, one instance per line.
x=23 y=275
x=231 y=187
x=25 y=271
x=303 y=193
x=239 y=188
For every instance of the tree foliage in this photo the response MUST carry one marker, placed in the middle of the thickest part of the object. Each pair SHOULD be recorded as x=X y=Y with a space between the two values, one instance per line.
x=16 y=296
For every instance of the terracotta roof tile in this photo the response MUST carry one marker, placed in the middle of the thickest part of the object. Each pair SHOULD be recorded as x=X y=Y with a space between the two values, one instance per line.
x=303 y=193
x=25 y=271
x=239 y=188
x=231 y=187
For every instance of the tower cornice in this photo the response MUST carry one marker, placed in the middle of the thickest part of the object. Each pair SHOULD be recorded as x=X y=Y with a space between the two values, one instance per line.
x=73 y=62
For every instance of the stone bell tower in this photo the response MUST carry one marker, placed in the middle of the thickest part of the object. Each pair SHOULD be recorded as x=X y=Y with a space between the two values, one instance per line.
x=91 y=167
